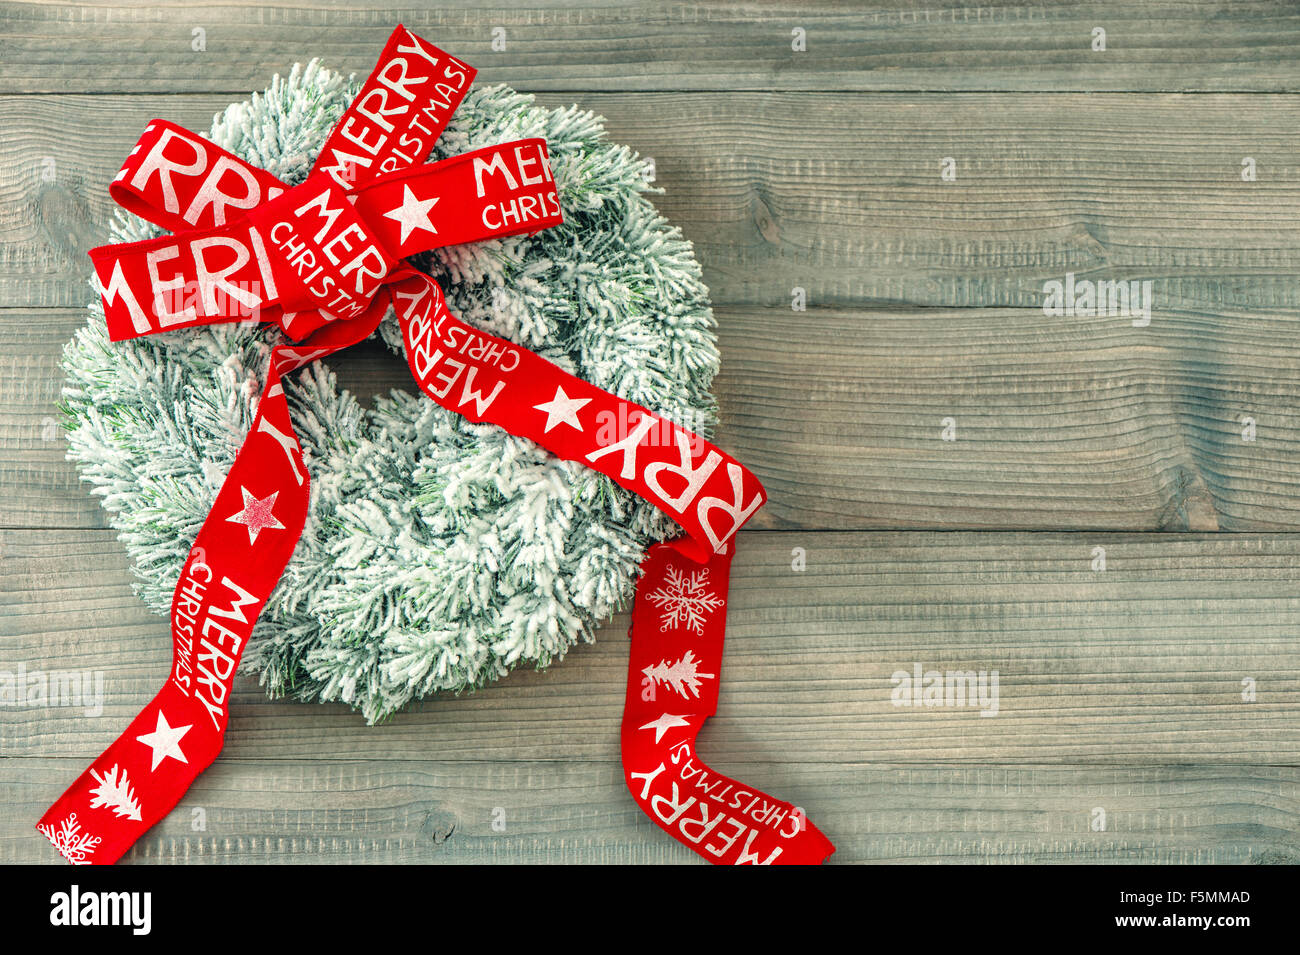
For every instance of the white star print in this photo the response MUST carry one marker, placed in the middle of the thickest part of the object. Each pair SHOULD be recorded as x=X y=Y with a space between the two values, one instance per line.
x=562 y=410
x=413 y=213
x=165 y=741
x=256 y=515
x=664 y=724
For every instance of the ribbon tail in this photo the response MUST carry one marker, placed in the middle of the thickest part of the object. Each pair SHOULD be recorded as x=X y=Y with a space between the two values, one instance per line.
x=678 y=627
x=85 y=834
x=237 y=558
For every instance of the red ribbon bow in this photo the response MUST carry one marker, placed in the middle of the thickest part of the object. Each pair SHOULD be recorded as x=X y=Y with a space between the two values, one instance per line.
x=325 y=260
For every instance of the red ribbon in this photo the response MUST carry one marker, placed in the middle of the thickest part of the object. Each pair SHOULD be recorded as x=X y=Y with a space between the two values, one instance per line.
x=325 y=260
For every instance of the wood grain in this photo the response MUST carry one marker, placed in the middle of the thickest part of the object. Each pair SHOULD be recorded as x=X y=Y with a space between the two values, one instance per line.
x=1137 y=666
x=837 y=194
x=1119 y=690
x=1061 y=423
x=443 y=811
x=592 y=45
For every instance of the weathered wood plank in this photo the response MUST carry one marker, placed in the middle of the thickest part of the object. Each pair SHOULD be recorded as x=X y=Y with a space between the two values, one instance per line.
x=1061 y=423
x=1139 y=665
x=443 y=811
x=1119 y=690
x=840 y=195
x=911 y=45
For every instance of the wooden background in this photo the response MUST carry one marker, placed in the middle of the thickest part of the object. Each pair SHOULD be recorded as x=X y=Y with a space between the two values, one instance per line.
x=1121 y=690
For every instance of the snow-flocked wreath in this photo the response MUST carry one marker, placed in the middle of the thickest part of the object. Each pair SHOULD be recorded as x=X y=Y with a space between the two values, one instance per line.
x=437 y=554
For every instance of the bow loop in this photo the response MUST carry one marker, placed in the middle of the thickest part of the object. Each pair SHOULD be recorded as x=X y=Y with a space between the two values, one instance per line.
x=399 y=113
x=493 y=192
x=179 y=180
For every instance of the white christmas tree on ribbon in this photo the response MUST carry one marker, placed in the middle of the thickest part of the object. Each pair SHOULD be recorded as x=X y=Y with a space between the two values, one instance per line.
x=682 y=676
x=686 y=600
x=68 y=838
x=114 y=792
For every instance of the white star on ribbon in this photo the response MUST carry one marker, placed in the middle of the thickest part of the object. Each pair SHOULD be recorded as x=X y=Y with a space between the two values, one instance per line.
x=165 y=741
x=413 y=213
x=256 y=515
x=664 y=724
x=562 y=410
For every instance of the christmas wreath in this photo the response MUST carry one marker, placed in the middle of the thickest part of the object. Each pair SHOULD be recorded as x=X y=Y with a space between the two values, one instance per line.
x=438 y=554
x=443 y=542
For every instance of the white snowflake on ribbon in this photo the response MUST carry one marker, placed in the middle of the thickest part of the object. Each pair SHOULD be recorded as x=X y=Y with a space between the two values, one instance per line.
x=686 y=600
x=682 y=676
x=69 y=840
x=114 y=792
